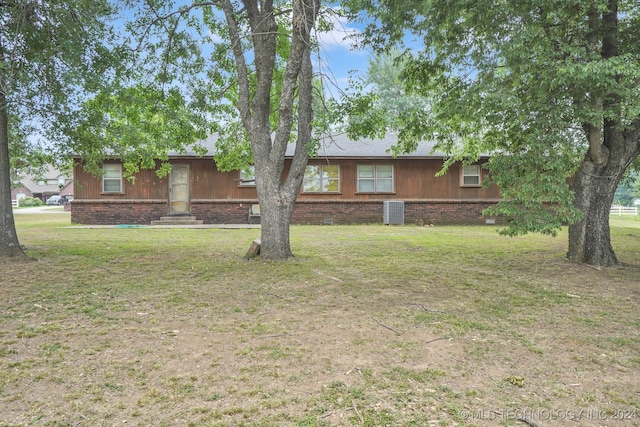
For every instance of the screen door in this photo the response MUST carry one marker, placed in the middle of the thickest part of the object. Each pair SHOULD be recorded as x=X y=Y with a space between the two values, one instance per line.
x=179 y=190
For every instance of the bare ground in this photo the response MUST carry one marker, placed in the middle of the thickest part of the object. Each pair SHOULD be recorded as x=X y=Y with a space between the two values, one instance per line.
x=333 y=338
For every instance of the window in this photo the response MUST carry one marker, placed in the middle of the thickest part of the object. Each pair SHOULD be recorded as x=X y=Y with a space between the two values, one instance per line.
x=112 y=178
x=321 y=179
x=375 y=178
x=248 y=176
x=471 y=175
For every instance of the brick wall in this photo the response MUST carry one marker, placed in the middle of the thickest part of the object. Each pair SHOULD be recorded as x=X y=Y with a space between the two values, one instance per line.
x=371 y=212
x=445 y=212
x=114 y=212
x=438 y=212
x=222 y=211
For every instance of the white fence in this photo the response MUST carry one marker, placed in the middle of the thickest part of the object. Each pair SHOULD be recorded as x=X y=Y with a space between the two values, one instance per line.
x=623 y=210
x=14 y=203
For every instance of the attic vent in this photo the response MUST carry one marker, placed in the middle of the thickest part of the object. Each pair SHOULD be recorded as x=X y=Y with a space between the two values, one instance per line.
x=393 y=212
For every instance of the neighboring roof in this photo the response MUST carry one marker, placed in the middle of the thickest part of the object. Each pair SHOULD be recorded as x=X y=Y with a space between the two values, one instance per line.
x=67 y=190
x=338 y=145
x=34 y=183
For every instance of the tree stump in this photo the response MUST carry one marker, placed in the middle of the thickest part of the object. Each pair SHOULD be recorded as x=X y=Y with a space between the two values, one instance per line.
x=254 y=249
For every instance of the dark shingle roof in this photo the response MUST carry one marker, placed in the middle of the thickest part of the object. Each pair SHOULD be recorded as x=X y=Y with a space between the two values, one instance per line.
x=46 y=182
x=338 y=145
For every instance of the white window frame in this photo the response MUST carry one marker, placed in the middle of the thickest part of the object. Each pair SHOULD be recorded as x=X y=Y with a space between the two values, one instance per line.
x=376 y=179
x=114 y=175
x=248 y=177
x=321 y=184
x=468 y=172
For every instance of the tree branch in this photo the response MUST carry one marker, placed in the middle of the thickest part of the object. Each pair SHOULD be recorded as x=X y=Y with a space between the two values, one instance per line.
x=611 y=49
x=160 y=18
x=304 y=16
x=305 y=118
x=241 y=64
x=263 y=27
x=594 y=130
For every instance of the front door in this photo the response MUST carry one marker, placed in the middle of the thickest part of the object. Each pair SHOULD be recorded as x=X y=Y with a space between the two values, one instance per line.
x=179 y=190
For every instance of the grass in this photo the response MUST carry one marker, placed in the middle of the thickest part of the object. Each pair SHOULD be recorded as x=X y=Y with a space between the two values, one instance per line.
x=368 y=325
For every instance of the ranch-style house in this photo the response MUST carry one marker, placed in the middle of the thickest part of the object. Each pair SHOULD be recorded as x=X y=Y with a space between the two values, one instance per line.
x=347 y=182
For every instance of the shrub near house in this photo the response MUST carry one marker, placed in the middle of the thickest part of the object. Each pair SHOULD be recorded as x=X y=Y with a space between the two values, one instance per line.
x=30 y=202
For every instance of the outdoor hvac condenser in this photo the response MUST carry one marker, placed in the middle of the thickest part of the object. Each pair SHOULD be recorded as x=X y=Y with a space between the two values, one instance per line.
x=393 y=212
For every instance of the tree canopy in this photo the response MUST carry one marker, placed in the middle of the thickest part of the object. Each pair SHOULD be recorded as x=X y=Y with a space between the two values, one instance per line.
x=379 y=101
x=549 y=90
x=161 y=75
x=239 y=70
x=51 y=55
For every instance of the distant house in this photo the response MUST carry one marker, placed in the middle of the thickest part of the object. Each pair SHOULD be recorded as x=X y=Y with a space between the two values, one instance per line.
x=347 y=182
x=50 y=182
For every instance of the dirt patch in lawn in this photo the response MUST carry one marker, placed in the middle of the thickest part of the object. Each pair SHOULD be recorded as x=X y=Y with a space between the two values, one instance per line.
x=368 y=326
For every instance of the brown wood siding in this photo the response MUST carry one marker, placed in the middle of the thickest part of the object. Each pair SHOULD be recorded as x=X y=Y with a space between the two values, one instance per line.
x=146 y=185
x=206 y=182
x=414 y=179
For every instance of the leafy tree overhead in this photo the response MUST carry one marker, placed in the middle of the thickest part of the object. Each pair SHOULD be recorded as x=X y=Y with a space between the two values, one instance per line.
x=628 y=190
x=51 y=53
x=382 y=97
x=241 y=70
x=550 y=89
x=138 y=124
x=26 y=157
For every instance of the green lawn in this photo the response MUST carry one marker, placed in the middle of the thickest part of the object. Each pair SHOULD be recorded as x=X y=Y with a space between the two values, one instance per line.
x=368 y=325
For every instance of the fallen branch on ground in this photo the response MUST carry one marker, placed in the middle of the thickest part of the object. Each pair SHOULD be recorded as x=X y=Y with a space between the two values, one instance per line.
x=529 y=422
x=326 y=275
x=353 y=402
x=385 y=326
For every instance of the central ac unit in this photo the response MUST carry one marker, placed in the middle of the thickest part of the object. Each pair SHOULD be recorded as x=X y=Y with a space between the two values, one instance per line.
x=393 y=212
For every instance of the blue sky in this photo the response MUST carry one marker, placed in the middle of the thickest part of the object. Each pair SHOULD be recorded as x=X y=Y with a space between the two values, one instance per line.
x=338 y=56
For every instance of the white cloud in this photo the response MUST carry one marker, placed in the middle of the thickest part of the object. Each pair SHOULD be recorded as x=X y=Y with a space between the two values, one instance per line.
x=338 y=55
x=340 y=36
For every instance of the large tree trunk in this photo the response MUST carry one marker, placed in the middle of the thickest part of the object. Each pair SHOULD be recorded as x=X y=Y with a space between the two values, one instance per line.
x=594 y=187
x=610 y=154
x=9 y=244
x=277 y=191
x=275 y=219
x=589 y=239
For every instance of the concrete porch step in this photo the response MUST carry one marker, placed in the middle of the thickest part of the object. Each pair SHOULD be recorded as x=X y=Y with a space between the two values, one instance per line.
x=177 y=220
x=195 y=222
